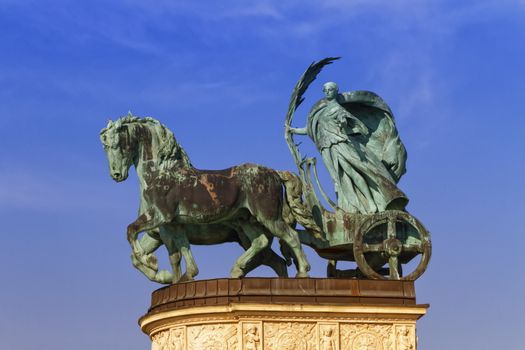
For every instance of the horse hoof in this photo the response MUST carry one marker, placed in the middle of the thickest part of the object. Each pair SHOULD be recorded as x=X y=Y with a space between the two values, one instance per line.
x=186 y=278
x=282 y=271
x=164 y=276
x=236 y=273
x=302 y=275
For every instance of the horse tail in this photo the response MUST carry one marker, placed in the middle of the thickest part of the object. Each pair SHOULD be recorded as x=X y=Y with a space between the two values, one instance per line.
x=294 y=210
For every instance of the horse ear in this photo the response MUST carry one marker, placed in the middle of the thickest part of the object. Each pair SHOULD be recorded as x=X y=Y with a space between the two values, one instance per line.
x=110 y=124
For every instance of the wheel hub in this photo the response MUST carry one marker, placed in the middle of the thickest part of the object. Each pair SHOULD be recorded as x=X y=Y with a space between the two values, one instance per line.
x=392 y=246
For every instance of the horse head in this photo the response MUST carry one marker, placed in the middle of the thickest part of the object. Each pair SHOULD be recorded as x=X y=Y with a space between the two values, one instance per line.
x=133 y=140
x=119 y=147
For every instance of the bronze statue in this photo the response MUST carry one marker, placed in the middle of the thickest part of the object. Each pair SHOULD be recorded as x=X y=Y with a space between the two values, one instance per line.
x=187 y=205
x=364 y=181
x=356 y=136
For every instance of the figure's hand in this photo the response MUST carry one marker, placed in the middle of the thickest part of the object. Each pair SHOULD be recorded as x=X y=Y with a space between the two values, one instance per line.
x=298 y=131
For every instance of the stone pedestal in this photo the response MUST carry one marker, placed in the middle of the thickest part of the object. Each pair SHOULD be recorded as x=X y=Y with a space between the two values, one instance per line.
x=284 y=314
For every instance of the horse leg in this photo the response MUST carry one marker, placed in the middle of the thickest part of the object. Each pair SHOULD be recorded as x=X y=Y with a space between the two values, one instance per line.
x=147 y=221
x=147 y=264
x=275 y=262
x=287 y=254
x=178 y=246
x=269 y=258
x=181 y=244
x=149 y=243
x=175 y=258
x=174 y=255
x=280 y=229
x=266 y=257
x=259 y=241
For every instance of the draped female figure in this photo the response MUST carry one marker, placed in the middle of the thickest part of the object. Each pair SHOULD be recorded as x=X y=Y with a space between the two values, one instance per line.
x=365 y=158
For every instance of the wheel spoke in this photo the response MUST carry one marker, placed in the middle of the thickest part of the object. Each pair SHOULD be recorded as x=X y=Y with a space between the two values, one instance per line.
x=372 y=247
x=413 y=248
x=391 y=228
x=393 y=265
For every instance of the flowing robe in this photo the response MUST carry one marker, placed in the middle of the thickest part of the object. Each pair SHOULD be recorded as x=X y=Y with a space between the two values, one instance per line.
x=364 y=161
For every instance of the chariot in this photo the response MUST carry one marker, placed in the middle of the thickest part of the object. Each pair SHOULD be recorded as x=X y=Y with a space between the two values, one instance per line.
x=384 y=244
x=380 y=243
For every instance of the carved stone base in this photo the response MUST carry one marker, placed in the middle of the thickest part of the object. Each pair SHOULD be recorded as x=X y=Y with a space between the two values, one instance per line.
x=284 y=314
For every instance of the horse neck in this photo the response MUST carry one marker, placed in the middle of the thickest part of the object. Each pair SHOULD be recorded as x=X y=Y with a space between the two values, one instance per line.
x=146 y=159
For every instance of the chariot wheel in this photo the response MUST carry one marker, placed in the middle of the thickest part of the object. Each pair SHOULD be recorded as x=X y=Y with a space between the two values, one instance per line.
x=395 y=237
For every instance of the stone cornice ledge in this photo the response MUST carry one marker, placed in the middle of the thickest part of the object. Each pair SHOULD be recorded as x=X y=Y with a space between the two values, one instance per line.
x=152 y=323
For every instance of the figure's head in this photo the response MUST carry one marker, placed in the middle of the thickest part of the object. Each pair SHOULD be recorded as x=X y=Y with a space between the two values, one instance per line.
x=327 y=332
x=330 y=90
x=119 y=149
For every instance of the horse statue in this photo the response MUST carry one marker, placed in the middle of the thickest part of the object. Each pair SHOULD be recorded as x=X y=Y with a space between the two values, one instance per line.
x=181 y=205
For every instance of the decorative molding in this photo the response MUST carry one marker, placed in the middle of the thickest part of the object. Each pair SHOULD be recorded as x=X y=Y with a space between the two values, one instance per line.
x=157 y=322
x=285 y=335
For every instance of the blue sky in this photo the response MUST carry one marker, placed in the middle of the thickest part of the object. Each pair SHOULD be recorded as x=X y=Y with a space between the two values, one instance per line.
x=219 y=75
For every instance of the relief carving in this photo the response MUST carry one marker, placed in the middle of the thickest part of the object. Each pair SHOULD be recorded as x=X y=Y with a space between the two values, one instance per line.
x=251 y=337
x=289 y=336
x=160 y=341
x=366 y=341
x=213 y=337
x=405 y=338
x=367 y=337
x=177 y=339
x=172 y=339
x=327 y=338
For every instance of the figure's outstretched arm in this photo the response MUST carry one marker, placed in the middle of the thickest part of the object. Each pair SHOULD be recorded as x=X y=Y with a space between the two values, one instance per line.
x=298 y=131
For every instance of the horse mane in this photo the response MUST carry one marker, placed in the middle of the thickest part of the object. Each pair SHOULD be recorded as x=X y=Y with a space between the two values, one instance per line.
x=170 y=152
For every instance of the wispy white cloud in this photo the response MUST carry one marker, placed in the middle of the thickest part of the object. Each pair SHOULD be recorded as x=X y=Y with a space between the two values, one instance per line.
x=127 y=22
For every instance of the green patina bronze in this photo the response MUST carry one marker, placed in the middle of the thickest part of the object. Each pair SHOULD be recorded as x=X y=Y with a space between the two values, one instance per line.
x=357 y=139
x=364 y=156
x=181 y=204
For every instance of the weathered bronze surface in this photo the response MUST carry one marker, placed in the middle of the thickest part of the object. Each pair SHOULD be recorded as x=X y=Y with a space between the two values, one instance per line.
x=180 y=204
x=357 y=139
x=359 y=144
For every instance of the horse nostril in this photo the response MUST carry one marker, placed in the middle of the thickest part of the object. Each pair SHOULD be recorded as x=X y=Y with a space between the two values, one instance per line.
x=117 y=175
